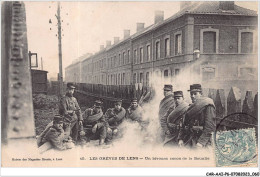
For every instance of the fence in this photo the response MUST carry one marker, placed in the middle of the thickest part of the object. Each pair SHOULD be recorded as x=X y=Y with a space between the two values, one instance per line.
x=246 y=109
x=125 y=92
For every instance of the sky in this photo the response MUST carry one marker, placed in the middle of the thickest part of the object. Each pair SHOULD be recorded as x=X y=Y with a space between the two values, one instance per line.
x=87 y=25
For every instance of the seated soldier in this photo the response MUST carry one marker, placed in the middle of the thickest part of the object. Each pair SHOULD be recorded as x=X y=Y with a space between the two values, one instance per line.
x=135 y=113
x=115 y=117
x=54 y=137
x=94 y=123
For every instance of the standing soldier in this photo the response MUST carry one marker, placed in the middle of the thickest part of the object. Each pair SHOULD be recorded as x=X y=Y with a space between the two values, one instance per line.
x=166 y=103
x=69 y=108
x=175 y=118
x=198 y=123
x=115 y=117
x=95 y=123
x=53 y=136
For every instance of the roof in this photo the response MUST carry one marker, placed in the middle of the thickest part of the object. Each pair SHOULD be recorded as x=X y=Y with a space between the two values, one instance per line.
x=212 y=7
x=205 y=7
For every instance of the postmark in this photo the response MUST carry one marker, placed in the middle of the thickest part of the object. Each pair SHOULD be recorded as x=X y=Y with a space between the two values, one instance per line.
x=236 y=146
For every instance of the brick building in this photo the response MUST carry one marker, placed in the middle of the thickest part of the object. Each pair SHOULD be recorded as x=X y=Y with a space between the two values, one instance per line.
x=214 y=43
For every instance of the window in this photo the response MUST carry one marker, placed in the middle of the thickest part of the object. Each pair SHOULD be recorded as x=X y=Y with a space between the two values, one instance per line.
x=209 y=42
x=167 y=47
x=123 y=80
x=124 y=58
x=165 y=73
x=157 y=50
x=147 y=78
x=115 y=61
x=119 y=59
x=178 y=44
x=148 y=53
x=208 y=73
x=141 y=78
x=128 y=56
x=134 y=78
x=135 y=56
x=141 y=55
x=177 y=72
x=246 y=42
x=119 y=79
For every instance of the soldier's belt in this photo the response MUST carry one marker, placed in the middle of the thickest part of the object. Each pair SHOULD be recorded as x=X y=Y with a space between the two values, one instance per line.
x=88 y=126
x=174 y=127
x=193 y=128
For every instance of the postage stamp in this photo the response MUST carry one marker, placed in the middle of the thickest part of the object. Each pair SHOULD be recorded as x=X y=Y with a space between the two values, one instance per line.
x=235 y=147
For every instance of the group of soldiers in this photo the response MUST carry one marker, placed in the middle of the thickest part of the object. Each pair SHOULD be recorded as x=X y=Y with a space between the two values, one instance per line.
x=72 y=126
x=181 y=124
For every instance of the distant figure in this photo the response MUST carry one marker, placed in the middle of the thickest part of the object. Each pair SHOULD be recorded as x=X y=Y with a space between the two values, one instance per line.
x=95 y=123
x=69 y=108
x=115 y=117
x=53 y=136
x=175 y=118
x=166 y=103
x=134 y=112
x=198 y=123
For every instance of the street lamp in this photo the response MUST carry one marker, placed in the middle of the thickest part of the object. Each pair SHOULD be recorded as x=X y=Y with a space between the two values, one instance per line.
x=196 y=54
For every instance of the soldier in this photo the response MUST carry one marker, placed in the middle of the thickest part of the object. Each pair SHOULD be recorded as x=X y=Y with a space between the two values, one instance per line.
x=115 y=117
x=175 y=118
x=198 y=123
x=134 y=112
x=166 y=103
x=54 y=135
x=69 y=108
x=95 y=123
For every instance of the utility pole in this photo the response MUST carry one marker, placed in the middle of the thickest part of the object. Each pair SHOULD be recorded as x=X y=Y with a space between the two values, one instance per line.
x=60 y=50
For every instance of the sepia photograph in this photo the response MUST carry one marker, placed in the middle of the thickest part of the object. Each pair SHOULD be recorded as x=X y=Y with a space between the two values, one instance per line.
x=129 y=84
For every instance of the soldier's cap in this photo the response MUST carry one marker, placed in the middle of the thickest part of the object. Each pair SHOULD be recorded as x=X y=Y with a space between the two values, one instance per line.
x=57 y=119
x=178 y=94
x=134 y=99
x=71 y=85
x=98 y=103
x=167 y=87
x=118 y=102
x=195 y=88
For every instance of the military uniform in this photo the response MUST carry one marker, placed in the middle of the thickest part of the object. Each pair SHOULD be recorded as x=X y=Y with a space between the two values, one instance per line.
x=167 y=103
x=114 y=118
x=199 y=123
x=56 y=137
x=70 y=109
x=174 y=120
x=134 y=114
x=95 y=125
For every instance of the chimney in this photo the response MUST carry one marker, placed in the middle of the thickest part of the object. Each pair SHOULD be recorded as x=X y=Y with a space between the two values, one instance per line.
x=185 y=4
x=116 y=40
x=158 y=16
x=126 y=33
x=102 y=47
x=226 y=5
x=108 y=43
x=139 y=27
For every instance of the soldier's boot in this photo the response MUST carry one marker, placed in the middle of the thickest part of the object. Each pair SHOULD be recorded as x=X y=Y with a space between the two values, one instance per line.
x=101 y=141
